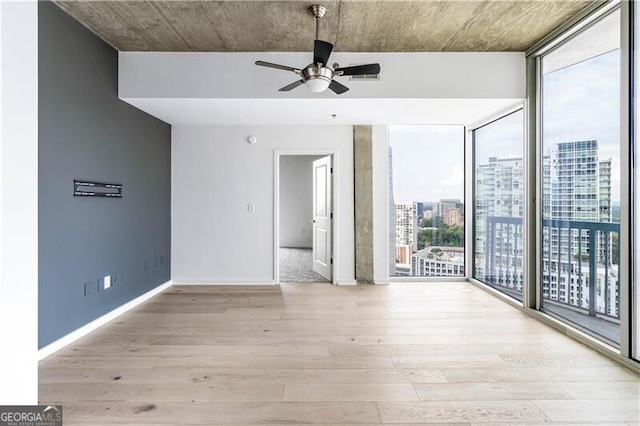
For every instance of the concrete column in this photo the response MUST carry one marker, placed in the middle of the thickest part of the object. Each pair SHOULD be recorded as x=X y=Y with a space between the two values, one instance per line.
x=363 y=193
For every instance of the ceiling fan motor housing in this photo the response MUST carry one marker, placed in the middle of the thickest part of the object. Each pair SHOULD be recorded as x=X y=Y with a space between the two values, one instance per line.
x=317 y=78
x=312 y=71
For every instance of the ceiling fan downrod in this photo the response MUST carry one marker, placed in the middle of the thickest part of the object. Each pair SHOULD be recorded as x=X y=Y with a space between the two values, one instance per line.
x=318 y=11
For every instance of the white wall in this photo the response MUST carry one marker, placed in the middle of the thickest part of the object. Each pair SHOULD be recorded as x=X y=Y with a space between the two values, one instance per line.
x=296 y=200
x=216 y=175
x=19 y=203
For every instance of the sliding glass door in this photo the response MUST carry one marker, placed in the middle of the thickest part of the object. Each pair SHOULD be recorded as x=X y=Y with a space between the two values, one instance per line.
x=580 y=179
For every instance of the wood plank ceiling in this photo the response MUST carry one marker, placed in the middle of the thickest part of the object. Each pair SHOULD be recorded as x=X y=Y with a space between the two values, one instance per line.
x=352 y=26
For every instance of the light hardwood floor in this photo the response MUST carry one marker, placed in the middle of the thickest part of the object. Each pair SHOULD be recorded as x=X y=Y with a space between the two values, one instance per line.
x=430 y=353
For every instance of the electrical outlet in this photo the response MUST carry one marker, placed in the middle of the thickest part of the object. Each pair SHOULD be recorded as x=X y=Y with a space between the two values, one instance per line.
x=106 y=282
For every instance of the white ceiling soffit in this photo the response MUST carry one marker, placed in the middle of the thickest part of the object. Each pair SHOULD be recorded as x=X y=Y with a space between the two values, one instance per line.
x=320 y=111
x=228 y=89
x=403 y=75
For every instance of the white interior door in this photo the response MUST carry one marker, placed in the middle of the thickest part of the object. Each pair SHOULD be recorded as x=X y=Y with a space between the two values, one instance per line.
x=322 y=217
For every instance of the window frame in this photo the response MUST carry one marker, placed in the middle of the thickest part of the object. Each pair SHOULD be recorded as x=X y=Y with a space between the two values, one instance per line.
x=631 y=175
x=576 y=26
x=467 y=213
x=471 y=224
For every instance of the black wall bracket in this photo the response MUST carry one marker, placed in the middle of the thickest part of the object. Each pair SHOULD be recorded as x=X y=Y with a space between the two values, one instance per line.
x=96 y=189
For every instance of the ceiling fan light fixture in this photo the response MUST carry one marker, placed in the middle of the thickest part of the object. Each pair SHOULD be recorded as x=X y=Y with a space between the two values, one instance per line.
x=318 y=76
x=318 y=84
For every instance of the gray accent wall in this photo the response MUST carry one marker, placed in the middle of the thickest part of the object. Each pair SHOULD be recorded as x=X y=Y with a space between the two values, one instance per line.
x=87 y=133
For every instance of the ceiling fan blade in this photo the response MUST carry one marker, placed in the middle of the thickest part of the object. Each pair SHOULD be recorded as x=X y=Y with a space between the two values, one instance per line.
x=291 y=86
x=360 y=69
x=278 y=67
x=338 y=88
x=321 y=51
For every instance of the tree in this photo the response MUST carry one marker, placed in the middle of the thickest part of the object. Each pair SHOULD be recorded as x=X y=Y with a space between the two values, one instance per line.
x=454 y=236
x=426 y=223
x=424 y=238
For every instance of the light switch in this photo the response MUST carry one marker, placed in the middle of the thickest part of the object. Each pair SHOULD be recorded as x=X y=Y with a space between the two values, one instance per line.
x=107 y=282
x=251 y=207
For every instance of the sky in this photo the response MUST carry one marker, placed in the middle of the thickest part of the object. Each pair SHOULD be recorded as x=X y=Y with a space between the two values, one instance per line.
x=580 y=102
x=503 y=138
x=428 y=162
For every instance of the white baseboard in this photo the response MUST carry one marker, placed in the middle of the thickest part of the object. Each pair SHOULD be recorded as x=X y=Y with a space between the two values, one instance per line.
x=98 y=322
x=346 y=282
x=178 y=282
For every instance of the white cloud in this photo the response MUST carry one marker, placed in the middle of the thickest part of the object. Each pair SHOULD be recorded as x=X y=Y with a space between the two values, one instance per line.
x=581 y=102
x=423 y=160
x=456 y=179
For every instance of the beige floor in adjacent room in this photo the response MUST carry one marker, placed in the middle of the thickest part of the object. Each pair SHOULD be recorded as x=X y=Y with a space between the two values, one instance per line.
x=315 y=353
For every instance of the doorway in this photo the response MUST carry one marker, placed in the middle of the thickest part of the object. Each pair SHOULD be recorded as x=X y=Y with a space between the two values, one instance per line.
x=303 y=218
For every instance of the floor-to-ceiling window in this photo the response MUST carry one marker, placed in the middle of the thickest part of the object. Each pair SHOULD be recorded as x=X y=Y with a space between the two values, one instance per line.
x=498 y=194
x=426 y=197
x=580 y=179
x=635 y=184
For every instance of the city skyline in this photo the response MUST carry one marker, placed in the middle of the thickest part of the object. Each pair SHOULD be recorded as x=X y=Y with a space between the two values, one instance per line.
x=571 y=113
x=578 y=194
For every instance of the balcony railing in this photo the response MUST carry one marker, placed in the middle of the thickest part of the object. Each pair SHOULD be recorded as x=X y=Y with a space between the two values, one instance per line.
x=578 y=257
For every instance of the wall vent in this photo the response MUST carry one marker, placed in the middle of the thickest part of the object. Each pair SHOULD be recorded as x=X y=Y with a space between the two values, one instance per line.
x=363 y=77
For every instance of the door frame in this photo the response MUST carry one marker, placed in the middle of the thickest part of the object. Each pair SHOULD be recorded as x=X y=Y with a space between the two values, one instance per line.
x=277 y=153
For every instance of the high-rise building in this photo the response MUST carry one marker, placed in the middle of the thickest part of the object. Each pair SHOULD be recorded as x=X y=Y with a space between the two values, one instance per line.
x=580 y=191
x=392 y=218
x=419 y=211
x=454 y=217
x=498 y=193
x=577 y=184
x=441 y=207
x=438 y=262
x=576 y=188
x=407 y=225
x=499 y=187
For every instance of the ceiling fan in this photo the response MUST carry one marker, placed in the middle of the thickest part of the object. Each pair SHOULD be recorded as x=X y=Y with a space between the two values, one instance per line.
x=318 y=76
